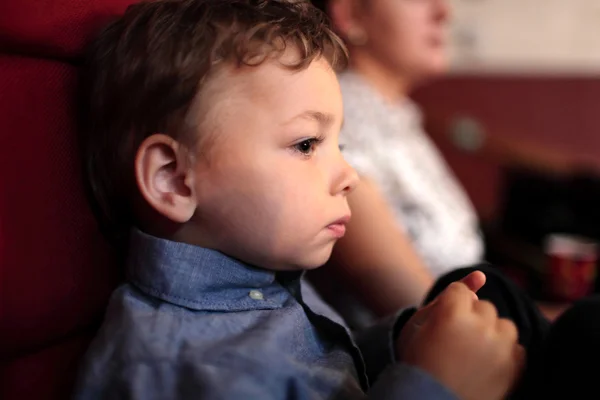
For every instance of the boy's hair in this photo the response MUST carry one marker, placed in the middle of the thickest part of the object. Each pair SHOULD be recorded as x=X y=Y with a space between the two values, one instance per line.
x=146 y=68
x=321 y=4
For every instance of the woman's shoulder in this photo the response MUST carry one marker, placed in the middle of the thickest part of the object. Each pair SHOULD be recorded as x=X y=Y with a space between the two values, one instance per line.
x=362 y=114
x=355 y=91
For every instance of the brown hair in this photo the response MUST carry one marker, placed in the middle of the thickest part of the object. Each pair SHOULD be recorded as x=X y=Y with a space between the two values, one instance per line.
x=146 y=68
x=321 y=4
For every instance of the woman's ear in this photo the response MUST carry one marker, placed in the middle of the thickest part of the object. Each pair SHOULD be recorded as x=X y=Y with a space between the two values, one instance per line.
x=164 y=177
x=345 y=16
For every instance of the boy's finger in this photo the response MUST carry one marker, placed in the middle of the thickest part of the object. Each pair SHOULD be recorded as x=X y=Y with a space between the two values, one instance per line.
x=520 y=358
x=474 y=281
x=457 y=296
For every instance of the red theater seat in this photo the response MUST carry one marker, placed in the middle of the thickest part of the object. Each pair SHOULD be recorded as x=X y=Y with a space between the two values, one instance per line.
x=56 y=271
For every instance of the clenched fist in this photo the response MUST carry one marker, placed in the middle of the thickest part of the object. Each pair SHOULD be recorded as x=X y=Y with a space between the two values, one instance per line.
x=460 y=341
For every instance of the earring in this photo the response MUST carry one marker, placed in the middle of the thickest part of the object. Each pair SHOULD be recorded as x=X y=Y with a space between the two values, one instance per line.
x=357 y=36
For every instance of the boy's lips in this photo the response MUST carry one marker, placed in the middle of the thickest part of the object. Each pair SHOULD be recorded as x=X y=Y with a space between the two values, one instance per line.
x=338 y=227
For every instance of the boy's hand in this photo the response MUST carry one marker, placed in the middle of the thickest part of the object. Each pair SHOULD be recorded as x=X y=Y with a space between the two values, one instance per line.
x=460 y=340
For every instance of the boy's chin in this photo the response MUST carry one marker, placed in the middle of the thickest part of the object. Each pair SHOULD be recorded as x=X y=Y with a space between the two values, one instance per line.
x=299 y=260
x=317 y=261
x=314 y=266
x=306 y=263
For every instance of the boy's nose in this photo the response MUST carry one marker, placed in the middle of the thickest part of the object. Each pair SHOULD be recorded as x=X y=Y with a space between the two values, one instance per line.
x=348 y=179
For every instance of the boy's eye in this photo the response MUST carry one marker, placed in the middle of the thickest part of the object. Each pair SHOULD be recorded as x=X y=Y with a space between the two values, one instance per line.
x=307 y=146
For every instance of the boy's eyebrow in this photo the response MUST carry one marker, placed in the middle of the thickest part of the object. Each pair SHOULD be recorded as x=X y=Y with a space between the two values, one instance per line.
x=325 y=120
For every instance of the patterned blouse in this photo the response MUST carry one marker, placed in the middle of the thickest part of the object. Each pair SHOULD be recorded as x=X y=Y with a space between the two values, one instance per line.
x=386 y=143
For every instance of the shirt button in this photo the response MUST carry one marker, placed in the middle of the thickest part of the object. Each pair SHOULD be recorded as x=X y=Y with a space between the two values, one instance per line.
x=256 y=295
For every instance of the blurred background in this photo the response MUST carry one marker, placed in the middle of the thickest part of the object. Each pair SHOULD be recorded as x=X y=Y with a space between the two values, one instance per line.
x=518 y=121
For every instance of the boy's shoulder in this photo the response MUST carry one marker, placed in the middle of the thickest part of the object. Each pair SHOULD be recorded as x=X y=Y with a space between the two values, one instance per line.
x=187 y=312
x=137 y=326
x=144 y=335
x=142 y=330
x=178 y=293
x=243 y=320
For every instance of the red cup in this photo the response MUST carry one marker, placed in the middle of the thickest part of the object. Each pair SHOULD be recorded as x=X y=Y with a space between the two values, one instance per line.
x=571 y=271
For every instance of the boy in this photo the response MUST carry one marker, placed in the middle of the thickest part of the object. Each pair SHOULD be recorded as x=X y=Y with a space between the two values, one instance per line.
x=212 y=141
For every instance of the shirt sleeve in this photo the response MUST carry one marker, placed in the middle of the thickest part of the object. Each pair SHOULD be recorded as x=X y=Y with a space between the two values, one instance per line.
x=163 y=380
x=203 y=381
x=402 y=381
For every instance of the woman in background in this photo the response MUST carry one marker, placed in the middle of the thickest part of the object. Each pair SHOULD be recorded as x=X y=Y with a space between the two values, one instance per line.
x=411 y=219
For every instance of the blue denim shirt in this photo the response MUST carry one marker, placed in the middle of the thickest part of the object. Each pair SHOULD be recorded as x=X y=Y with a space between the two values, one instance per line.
x=195 y=323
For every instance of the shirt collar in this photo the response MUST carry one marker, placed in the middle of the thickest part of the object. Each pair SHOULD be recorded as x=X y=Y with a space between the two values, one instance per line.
x=199 y=278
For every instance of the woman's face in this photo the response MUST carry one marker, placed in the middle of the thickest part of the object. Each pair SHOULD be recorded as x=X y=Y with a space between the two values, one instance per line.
x=407 y=36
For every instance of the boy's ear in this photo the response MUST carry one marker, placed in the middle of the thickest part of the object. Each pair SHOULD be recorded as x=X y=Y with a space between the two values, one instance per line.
x=164 y=178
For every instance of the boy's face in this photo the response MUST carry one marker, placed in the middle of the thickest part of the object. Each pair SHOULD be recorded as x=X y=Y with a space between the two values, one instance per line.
x=272 y=189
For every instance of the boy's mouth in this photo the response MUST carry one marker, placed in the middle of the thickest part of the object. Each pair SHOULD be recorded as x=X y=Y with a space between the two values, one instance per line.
x=338 y=227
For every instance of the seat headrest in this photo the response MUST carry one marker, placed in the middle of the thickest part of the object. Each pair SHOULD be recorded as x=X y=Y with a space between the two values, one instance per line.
x=57 y=29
